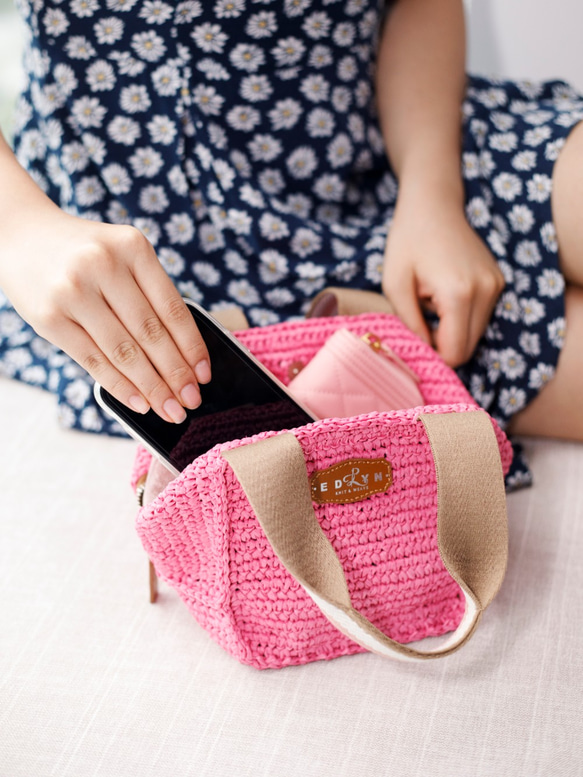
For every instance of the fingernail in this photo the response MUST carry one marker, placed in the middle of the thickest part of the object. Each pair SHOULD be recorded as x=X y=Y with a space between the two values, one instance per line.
x=190 y=396
x=175 y=411
x=203 y=371
x=138 y=404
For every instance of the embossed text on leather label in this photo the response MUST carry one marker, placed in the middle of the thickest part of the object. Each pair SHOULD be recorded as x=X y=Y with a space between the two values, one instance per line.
x=351 y=481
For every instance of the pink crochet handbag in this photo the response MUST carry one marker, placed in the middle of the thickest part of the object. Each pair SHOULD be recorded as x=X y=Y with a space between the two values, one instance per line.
x=361 y=533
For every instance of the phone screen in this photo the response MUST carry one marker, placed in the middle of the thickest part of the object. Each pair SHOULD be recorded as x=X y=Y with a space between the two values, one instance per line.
x=241 y=400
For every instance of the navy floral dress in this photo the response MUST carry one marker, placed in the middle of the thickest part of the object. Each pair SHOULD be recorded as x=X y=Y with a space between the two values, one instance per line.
x=240 y=137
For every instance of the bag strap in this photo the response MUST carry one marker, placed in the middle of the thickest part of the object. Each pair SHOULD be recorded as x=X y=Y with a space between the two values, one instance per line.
x=471 y=524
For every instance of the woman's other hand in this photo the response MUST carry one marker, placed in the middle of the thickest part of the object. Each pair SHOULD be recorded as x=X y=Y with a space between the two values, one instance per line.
x=435 y=261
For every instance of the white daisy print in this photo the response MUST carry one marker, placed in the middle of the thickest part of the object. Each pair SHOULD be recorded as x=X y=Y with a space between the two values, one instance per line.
x=153 y=199
x=211 y=238
x=206 y=273
x=225 y=173
x=247 y=57
x=285 y=114
x=88 y=112
x=374 y=267
x=512 y=400
x=521 y=218
x=302 y=162
x=550 y=283
x=340 y=151
x=273 y=266
x=305 y=242
x=288 y=51
x=263 y=317
x=330 y=187
x=556 y=332
x=296 y=7
x=124 y=130
x=540 y=375
x=539 y=188
x=74 y=157
x=530 y=343
x=171 y=261
x=271 y=181
x=209 y=38
x=344 y=34
x=127 y=64
x=229 y=9
x=162 y=130
x=277 y=298
x=208 y=100
x=148 y=46
x=156 y=11
x=317 y=25
x=320 y=56
x=146 y=162
x=512 y=363
x=265 y=148
x=243 y=117
x=213 y=70
x=527 y=253
x=134 y=99
x=320 y=123
x=243 y=292
x=79 y=47
x=508 y=307
x=477 y=212
x=273 y=227
x=235 y=263
x=166 y=80
x=524 y=160
x=84 y=8
x=256 y=88
x=109 y=30
x=549 y=237
x=149 y=228
x=315 y=88
x=505 y=142
x=535 y=137
x=55 y=22
x=507 y=186
x=261 y=25
x=117 y=178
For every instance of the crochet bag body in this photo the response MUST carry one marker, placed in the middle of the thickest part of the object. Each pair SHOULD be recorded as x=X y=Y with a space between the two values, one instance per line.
x=362 y=533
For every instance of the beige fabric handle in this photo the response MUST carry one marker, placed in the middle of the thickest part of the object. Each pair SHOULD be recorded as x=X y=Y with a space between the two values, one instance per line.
x=471 y=524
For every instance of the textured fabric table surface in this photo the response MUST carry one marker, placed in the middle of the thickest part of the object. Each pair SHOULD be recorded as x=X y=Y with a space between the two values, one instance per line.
x=96 y=681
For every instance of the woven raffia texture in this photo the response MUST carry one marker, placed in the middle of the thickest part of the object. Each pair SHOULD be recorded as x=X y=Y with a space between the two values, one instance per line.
x=205 y=541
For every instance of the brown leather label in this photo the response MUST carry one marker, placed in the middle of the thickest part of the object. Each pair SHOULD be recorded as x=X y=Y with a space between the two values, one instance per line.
x=351 y=480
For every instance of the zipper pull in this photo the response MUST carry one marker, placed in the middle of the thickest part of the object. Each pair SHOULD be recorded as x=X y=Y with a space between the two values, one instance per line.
x=376 y=344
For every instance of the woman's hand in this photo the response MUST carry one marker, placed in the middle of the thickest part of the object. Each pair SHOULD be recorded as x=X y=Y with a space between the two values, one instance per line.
x=435 y=261
x=98 y=292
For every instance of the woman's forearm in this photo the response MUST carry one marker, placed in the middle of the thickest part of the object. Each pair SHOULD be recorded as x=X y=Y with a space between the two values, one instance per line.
x=21 y=201
x=420 y=86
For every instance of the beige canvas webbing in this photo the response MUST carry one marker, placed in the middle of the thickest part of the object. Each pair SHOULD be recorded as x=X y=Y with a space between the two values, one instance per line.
x=472 y=530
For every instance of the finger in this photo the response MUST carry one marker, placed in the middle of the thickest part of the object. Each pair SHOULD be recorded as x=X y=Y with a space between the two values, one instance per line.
x=481 y=313
x=79 y=345
x=402 y=293
x=143 y=323
x=175 y=316
x=125 y=356
x=451 y=337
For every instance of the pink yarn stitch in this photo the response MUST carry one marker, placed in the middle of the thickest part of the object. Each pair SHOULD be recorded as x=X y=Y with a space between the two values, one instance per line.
x=205 y=541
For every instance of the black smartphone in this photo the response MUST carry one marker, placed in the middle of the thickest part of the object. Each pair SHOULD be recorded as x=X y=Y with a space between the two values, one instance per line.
x=242 y=399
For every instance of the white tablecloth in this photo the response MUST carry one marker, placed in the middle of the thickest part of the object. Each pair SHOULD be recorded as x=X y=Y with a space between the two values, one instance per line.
x=96 y=681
